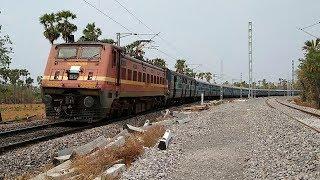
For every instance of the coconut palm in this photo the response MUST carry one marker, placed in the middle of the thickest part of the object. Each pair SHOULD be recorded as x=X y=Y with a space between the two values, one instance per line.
x=190 y=72
x=181 y=66
x=208 y=76
x=64 y=26
x=91 y=33
x=159 y=62
x=311 y=45
x=201 y=75
x=49 y=23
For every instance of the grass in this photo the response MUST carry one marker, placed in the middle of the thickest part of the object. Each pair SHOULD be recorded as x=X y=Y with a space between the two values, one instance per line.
x=11 y=112
x=92 y=165
x=299 y=102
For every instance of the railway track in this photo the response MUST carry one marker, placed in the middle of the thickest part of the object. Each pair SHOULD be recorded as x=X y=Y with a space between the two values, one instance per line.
x=25 y=136
x=13 y=139
x=313 y=122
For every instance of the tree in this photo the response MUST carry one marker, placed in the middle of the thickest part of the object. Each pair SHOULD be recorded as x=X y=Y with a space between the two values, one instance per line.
x=49 y=23
x=159 y=62
x=109 y=41
x=189 y=72
x=201 y=75
x=64 y=26
x=5 y=50
x=91 y=33
x=39 y=80
x=208 y=76
x=181 y=66
x=312 y=45
x=29 y=81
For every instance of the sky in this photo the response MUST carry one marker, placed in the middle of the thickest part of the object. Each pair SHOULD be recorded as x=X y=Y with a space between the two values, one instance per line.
x=205 y=32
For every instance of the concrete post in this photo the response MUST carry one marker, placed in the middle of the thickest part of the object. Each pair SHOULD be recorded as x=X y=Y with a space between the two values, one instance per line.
x=202 y=97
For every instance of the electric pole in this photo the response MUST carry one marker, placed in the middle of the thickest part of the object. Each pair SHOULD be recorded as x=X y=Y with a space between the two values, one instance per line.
x=292 y=78
x=241 y=85
x=250 y=58
x=221 y=77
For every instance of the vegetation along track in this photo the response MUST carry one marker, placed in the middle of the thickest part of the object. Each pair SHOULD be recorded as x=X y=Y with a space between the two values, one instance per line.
x=306 y=123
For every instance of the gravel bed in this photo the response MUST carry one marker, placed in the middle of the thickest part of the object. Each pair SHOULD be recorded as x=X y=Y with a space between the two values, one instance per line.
x=31 y=135
x=236 y=140
x=17 y=125
x=33 y=159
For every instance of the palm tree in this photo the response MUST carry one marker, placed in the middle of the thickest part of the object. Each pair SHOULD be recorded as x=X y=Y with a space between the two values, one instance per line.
x=181 y=66
x=109 y=41
x=201 y=75
x=91 y=33
x=64 y=26
x=311 y=45
x=208 y=76
x=51 y=31
x=159 y=62
x=190 y=72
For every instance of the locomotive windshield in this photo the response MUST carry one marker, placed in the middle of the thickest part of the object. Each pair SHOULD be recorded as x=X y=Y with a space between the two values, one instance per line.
x=90 y=52
x=85 y=52
x=67 y=52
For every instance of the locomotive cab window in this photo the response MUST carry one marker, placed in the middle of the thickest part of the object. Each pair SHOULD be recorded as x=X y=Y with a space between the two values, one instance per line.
x=67 y=53
x=90 y=52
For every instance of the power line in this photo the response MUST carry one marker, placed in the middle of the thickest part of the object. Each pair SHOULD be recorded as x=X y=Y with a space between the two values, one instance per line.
x=109 y=17
x=311 y=25
x=124 y=27
x=308 y=33
x=141 y=22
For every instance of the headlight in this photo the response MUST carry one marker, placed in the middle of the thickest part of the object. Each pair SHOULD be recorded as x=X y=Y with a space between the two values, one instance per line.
x=88 y=101
x=47 y=99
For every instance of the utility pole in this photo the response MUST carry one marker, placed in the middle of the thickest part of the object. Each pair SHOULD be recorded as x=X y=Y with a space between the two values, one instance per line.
x=221 y=77
x=292 y=78
x=250 y=58
x=241 y=85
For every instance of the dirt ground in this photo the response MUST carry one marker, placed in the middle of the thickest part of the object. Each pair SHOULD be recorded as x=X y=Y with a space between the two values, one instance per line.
x=11 y=112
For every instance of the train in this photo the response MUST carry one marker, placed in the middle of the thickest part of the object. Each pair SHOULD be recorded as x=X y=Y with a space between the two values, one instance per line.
x=89 y=81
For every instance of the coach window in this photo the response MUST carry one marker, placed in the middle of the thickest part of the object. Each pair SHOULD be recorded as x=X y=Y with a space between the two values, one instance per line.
x=148 y=78
x=151 y=78
x=158 y=82
x=139 y=76
x=123 y=73
x=155 y=80
x=144 y=77
x=129 y=74
x=134 y=76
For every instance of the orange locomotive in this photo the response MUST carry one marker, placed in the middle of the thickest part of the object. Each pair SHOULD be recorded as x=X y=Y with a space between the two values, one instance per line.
x=90 y=81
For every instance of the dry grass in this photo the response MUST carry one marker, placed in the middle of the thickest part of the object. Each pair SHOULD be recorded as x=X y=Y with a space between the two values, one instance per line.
x=92 y=165
x=10 y=112
x=299 y=102
x=151 y=136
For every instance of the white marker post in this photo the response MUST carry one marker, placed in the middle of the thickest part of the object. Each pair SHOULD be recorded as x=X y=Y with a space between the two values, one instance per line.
x=202 y=96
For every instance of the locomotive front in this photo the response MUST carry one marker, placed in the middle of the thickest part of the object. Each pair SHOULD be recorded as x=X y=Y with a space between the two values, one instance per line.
x=73 y=83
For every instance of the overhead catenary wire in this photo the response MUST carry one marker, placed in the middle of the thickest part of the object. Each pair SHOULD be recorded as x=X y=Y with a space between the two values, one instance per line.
x=148 y=27
x=121 y=25
x=108 y=16
x=311 y=25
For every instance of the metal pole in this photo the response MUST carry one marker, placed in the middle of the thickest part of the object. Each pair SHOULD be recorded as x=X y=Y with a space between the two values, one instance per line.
x=202 y=97
x=118 y=39
x=250 y=58
x=292 y=79
x=241 y=85
x=221 y=77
